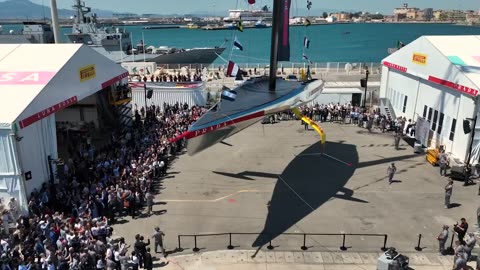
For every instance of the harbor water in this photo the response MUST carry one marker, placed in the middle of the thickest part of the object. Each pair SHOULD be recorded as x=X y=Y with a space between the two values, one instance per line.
x=356 y=42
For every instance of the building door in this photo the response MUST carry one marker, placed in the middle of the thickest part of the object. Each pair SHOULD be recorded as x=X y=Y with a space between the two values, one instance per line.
x=356 y=99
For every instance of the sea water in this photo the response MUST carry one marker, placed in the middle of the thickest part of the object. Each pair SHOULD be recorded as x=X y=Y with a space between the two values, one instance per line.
x=356 y=42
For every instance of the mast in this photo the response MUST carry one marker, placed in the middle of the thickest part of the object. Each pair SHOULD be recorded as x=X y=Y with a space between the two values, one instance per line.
x=274 y=46
x=54 y=13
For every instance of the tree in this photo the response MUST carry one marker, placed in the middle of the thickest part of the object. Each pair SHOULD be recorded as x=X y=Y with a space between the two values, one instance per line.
x=376 y=17
x=325 y=15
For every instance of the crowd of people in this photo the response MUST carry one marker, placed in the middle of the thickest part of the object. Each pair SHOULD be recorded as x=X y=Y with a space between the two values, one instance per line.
x=69 y=224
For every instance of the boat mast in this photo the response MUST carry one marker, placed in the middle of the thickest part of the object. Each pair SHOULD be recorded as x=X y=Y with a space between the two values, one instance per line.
x=274 y=46
x=56 y=27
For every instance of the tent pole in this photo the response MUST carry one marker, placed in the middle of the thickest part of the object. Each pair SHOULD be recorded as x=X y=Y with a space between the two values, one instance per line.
x=56 y=27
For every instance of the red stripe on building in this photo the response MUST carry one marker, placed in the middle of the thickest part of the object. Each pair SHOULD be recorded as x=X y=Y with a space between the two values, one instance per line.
x=114 y=80
x=454 y=86
x=203 y=131
x=395 y=66
x=48 y=111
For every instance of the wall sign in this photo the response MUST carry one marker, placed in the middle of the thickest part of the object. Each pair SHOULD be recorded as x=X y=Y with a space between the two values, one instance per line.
x=46 y=112
x=419 y=58
x=87 y=73
x=25 y=77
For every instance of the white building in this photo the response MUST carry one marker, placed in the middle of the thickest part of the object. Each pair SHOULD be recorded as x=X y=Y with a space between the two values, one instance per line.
x=37 y=84
x=435 y=81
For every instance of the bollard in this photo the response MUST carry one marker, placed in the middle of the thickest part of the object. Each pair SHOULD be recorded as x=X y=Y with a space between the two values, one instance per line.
x=450 y=250
x=304 y=247
x=270 y=245
x=230 y=241
x=343 y=247
x=418 y=248
x=384 y=248
x=179 y=243
x=195 y=249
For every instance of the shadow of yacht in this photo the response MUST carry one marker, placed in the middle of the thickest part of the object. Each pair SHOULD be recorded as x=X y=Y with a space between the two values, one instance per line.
x=307 y=182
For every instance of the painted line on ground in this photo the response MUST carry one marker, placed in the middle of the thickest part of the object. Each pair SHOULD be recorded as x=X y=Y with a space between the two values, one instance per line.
x=221 y=198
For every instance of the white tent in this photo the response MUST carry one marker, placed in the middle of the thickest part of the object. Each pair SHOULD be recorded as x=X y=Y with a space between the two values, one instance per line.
x=436 y=78
x=37 y=81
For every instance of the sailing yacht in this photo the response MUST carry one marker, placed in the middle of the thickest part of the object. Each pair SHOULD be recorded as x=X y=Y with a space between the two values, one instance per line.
x=257 y=97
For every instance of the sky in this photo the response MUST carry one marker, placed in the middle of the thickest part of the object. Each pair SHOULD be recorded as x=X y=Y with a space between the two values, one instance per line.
x=222 y=6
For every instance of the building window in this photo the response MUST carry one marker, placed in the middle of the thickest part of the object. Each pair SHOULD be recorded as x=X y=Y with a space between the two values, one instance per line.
x=435 y=118
x=452 y=130
x=425 y=111
x=405 y=104
x=440 y=123
x=429 y=115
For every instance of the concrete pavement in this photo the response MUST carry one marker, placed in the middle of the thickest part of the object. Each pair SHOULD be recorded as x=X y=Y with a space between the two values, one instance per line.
x=279 y=260
x=235 y=187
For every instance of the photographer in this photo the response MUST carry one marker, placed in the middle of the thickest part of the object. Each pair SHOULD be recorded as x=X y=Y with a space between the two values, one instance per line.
x=461 y=230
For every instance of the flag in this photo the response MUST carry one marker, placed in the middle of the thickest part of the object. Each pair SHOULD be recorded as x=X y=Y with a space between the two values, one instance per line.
x=232 y=69
x=239 y=25
x=306 y=42
x=307 y=22
x=251 y=2
x=309 y=4
x=229 y=95
x=305 y=57
x=237 y=44
x=134 y=70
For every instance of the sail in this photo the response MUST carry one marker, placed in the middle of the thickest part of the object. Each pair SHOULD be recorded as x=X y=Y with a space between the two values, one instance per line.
x=284 y=31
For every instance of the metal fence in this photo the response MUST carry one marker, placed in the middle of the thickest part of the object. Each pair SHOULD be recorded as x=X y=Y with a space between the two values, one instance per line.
x=292 y=67
x=301 y=237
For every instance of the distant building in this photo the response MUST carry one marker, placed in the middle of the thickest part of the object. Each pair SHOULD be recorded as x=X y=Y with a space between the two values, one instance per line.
x=456 y=15
x=439 y=15
x=405 y=12
x=341 y=16
x=427 y=14
x=125 y=15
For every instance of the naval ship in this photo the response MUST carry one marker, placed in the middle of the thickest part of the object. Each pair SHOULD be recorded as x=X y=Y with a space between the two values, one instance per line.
x=116 y=43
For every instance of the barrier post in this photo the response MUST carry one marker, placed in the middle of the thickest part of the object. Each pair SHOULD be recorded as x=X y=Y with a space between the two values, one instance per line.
x=384 y=248
x=270 y=245
x=450 y=249
x=304 y=247
x=230 y=241
x=195 y=249
x=179 y=243
x=343 y=247
x=418 y=248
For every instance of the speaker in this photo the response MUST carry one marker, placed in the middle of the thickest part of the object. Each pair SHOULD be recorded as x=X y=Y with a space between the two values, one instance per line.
x=149 y=93
x=363 y=82
x=466 y=127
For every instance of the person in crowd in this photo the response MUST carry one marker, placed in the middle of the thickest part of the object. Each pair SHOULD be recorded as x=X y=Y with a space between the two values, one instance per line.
x=391 y=170
x=158 y=241
x=147 y=260
x=443 y=163
x=470 y=244
x=461 y=229
x=442 y=239
x=448 y=193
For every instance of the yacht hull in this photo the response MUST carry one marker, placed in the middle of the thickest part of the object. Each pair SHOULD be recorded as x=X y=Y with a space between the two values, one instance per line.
x=252 y=104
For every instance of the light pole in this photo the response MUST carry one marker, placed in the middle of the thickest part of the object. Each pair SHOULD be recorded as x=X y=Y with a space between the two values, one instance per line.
x=364 y=83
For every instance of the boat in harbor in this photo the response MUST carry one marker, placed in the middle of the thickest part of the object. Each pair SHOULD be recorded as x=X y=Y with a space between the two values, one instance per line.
x=116 y=43
x=32 y=32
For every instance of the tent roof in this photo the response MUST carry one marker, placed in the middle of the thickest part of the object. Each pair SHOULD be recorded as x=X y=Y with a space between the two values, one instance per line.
x=451 y=61
x=461 y=51
x=37 y=77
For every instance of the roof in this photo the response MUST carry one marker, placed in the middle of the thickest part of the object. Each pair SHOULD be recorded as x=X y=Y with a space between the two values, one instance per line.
x=451 y=61
x=41 y=78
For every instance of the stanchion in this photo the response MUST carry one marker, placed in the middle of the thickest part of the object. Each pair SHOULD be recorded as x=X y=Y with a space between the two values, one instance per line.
x=304 y=247
x=384 y=248
x=343 y=247
x=179 y=243
x=418 y=248
x=450 y=249
x=230 y=241
x=195 y=249
x=270 y=245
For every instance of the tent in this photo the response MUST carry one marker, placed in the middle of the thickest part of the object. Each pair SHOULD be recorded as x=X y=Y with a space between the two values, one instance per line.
x=37 y=81
x=436 y=78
